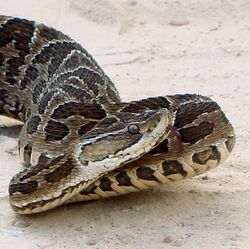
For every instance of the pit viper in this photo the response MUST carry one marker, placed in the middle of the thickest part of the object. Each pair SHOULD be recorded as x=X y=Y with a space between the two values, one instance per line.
x=79 y=141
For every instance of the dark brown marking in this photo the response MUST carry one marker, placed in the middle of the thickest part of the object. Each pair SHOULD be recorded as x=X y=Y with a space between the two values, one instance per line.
x=107 y=122
x=105 y=184
x=47 y=97
x=154 y=103
x=32 y=124
x=146 y=173
x=106 y=125
x=89 y=190
x=123 y=179
x=230 y=143
x=15 y=109
x=44 y=163
x=66 y=110
x=1 y=59
x=3 y=94
x=112 y=95
x=54 y=64
x=171 y=167
x=30 y=75
x=50 y=33
x=11 y=31
x=20 y=32
x=78 y=93
x=91 y=79
x=53 y=50
x=204 y=156
x=61 y=172
x=195 y=133
x=188 y=112
x=38 y=89
x=200 y=157
x=161 y=148
x=58 y=51
x=184 y=98
x=61 y=51
x=85 y=128
x=24 y=188
x=63 y=78
x=88 y=78
x=55 y=131
x=77 y=60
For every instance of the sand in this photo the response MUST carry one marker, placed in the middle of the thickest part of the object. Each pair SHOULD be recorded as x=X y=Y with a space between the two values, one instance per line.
x=150 y=48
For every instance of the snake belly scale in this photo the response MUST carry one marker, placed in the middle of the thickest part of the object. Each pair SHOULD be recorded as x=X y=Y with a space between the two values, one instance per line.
x=79 y=141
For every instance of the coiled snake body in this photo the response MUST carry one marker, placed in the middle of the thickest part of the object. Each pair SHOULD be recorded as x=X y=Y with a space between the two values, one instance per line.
x=79 y=141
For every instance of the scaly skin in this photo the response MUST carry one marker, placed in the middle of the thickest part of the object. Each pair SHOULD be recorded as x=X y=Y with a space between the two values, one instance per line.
x=79 y=141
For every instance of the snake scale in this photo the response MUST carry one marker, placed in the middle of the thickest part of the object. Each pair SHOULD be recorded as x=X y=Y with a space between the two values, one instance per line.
x=79 y=141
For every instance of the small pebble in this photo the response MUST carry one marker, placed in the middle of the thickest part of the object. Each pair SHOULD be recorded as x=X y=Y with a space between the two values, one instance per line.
x=182 y=224
x=177 y=243
x=179 y=21
x=21 y=223
x=235 y=237
x=168 y=239
x=79 y=229
x=204 y=177
x=132 y=3
x=91 y=243
x=187 y=235
x=136 y=208
x=192 y=191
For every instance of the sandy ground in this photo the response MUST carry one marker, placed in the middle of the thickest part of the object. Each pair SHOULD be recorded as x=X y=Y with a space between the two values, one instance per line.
x=145 y=56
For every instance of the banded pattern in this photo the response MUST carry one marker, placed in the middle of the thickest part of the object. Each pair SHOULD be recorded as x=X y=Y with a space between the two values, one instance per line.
x=79 y=141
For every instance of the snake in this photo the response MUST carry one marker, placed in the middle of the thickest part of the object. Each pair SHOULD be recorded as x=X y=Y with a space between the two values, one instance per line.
x=79 y=141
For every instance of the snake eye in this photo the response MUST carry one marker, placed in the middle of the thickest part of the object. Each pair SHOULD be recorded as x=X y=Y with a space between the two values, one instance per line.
x=133 y=129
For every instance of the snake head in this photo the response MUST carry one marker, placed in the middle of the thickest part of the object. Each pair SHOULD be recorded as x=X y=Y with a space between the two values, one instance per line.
x=120 y=138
